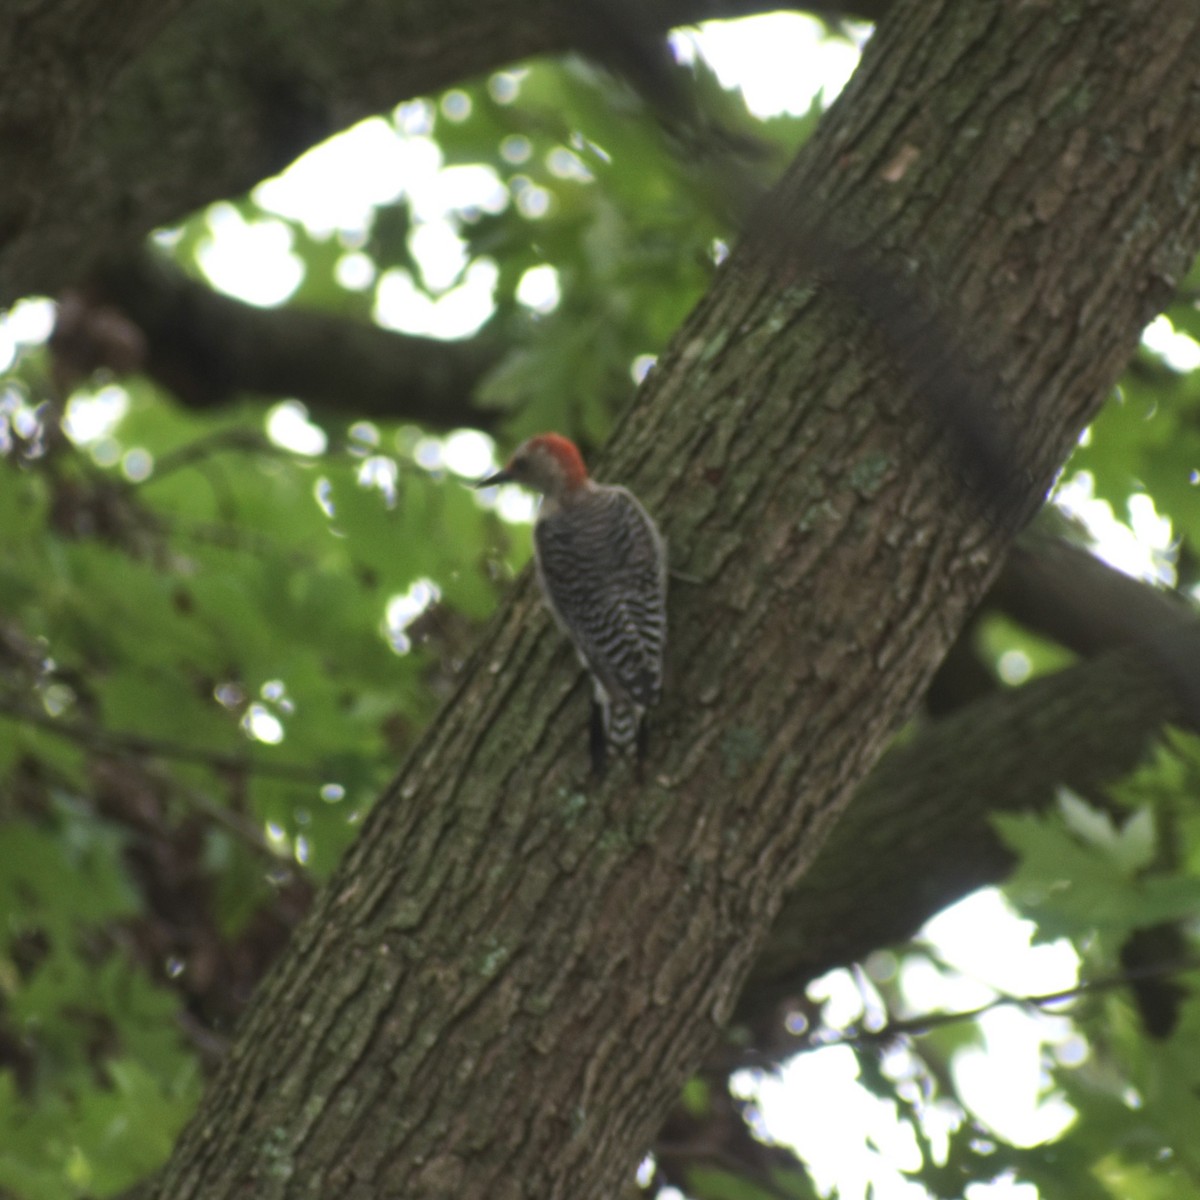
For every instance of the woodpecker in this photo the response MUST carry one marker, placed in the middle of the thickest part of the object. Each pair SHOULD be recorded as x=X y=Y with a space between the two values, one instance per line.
x=602 y=566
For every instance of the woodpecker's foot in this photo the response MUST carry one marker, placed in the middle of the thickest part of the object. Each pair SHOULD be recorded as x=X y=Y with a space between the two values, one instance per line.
x=598 y=741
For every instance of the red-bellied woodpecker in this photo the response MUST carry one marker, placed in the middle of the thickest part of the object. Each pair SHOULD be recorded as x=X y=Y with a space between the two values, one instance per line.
x=602 y=565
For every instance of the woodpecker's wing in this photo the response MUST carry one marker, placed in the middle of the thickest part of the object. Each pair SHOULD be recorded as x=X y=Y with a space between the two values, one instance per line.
x=603 y=569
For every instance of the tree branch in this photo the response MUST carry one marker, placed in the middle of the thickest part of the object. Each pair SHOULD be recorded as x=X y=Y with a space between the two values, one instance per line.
x=271 y=79
x=206 y=347
x=1058 y=589
x=915 y=1026
x=922 y=818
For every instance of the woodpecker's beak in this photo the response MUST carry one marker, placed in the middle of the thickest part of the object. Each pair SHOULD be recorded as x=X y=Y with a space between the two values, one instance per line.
x=492 y=480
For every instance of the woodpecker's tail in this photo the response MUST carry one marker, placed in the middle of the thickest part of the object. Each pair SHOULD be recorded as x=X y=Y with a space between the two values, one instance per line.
x=616 y=725
x=622 y=719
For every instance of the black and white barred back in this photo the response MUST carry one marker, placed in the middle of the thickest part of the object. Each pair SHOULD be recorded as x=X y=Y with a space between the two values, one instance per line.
x=603 y=569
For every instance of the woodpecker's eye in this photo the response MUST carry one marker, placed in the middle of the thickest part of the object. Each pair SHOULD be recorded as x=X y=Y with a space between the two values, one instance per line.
x=518 y=465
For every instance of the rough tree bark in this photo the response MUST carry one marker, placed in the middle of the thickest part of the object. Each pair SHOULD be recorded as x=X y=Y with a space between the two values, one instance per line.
x=512 y=973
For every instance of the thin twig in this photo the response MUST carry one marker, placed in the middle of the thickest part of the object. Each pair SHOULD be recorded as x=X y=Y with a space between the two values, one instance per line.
x=915 y=1026
x=136 y=745
x=245 y=830
x=248 y=441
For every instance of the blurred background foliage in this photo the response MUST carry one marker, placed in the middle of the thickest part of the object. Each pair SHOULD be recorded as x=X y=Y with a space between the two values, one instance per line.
x=223 y=626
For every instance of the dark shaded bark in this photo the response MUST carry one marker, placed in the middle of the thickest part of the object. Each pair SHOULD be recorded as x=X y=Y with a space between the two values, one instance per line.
x=1061 y=591
x=207 y=348
x=58 y=66
x=504 y=986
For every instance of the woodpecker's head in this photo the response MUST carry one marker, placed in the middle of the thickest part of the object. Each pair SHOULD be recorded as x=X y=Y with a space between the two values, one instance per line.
x=548 y=463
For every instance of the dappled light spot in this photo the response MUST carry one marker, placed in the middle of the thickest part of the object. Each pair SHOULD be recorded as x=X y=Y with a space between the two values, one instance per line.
x=1014 y=667
x=263 y=725
x=440 y=253
x=364 y=436
x=17 y=416
x=57 y=698
x=1011 y=1100
x=566 y=164
x=24 y=420
x=402 y=610
x=775 y=42
x=504 y=86
x=252 y=260
x=427 y=453
x=229 y=694
x=641 y=366
x=456 y=105
x=515 y=505
x=533 y=201
x=796 y=1023
x=464 y=190
x=91 y=416
x=27 y=323
x=1072 y=1051
x=137 y=464
x=538 y=289
x=516 y=148
x=275 y=692
x=30 y=320
x=1142 y=548
x=337 y=184
x=288 y=426
x=881 y=966
x=380 y=473
x=323 y=494
x=355 y=271
x=401 y=306
x=469 y=453
x=1180 y=351
x=414 y=118
x=511 y=502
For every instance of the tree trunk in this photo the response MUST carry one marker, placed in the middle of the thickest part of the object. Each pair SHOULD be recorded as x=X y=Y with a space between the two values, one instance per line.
x=514 y=970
